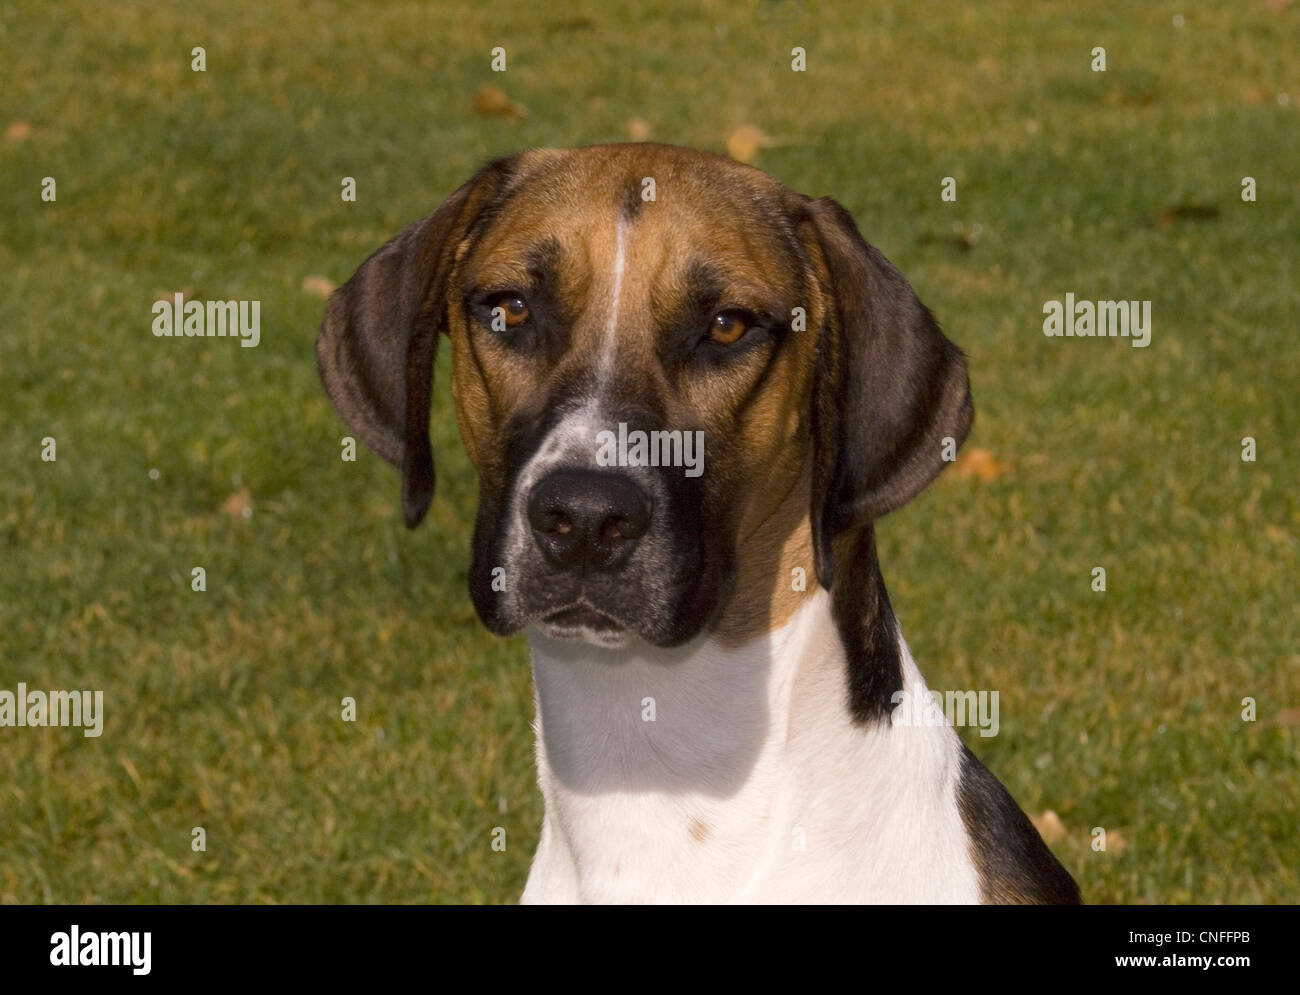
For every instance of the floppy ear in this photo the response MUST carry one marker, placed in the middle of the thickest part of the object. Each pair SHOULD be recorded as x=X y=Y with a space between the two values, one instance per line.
x=376 y=345
x=889 y=388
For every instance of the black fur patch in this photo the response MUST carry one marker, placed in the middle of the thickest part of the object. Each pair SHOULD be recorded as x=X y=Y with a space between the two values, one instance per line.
x=633 y=202
x=867 y=628
x=1014 y=864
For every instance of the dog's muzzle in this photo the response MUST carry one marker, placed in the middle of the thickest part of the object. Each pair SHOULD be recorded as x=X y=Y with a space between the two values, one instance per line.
x=586 y=524
x=593 y=551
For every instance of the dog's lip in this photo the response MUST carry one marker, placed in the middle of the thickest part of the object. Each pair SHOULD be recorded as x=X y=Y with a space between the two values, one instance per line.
x=581 y=614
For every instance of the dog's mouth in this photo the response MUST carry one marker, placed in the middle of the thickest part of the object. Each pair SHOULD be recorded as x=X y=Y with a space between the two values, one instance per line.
x=582 y=620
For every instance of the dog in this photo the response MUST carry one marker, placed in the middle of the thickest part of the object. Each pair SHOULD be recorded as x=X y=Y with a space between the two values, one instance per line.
x=715 y=658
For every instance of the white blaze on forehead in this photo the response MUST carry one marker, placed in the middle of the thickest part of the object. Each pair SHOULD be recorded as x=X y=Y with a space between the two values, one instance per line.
x=573 y=440
x=611 y=330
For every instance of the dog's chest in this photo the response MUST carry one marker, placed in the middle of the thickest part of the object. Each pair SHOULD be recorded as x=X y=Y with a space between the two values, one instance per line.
x=719 y=775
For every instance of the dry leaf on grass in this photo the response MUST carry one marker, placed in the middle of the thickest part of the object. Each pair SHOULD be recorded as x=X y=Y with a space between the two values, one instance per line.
x=961 y=237
x=1170 y=216
x=491 y=101
x=1049 y=826
x=1277 y=534
x=239 y=504
x=1287 y=717
x=17 y=131
x=744 y=143
x=979 y=464
x=638 y=129
x=318 y=286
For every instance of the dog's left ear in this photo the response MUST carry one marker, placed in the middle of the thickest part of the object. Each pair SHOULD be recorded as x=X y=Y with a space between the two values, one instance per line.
x=889 y=389
x=376 y=345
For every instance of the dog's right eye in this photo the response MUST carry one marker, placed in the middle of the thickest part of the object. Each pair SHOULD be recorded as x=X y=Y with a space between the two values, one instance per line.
x=507 y=310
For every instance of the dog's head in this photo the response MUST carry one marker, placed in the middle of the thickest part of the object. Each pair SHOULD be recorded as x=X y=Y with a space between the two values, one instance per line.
x=678 y=381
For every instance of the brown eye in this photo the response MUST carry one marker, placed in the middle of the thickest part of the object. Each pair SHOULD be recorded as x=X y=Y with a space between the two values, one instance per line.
x=513 y=308
x=727 y=327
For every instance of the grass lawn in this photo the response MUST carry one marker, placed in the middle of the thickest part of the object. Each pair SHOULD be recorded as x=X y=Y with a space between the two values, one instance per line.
x=1120 y=710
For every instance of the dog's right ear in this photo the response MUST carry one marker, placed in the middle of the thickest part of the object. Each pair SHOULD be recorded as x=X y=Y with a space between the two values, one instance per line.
x=376 y=345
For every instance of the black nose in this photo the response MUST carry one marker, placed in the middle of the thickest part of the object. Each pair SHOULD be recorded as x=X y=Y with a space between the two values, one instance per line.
x=587 y=519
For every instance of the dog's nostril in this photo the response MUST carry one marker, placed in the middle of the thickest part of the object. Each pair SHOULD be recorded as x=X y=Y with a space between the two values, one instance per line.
x=552 y=521
x=626 y=528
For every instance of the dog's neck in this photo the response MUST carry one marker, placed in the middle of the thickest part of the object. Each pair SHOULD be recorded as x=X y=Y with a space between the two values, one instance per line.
x=694 y=773
x=689 y=719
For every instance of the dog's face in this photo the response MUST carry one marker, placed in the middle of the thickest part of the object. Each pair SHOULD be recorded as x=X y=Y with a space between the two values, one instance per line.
x=677 y=380
x=626 y=315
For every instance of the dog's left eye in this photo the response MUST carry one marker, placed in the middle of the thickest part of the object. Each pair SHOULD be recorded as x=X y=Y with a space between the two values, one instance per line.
x=728 y=327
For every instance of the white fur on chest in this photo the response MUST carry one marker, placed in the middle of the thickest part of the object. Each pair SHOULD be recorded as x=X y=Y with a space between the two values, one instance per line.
x=712 y=774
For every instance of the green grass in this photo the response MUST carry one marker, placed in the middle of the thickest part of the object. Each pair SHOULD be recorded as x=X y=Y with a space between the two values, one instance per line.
x=1119 y=710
